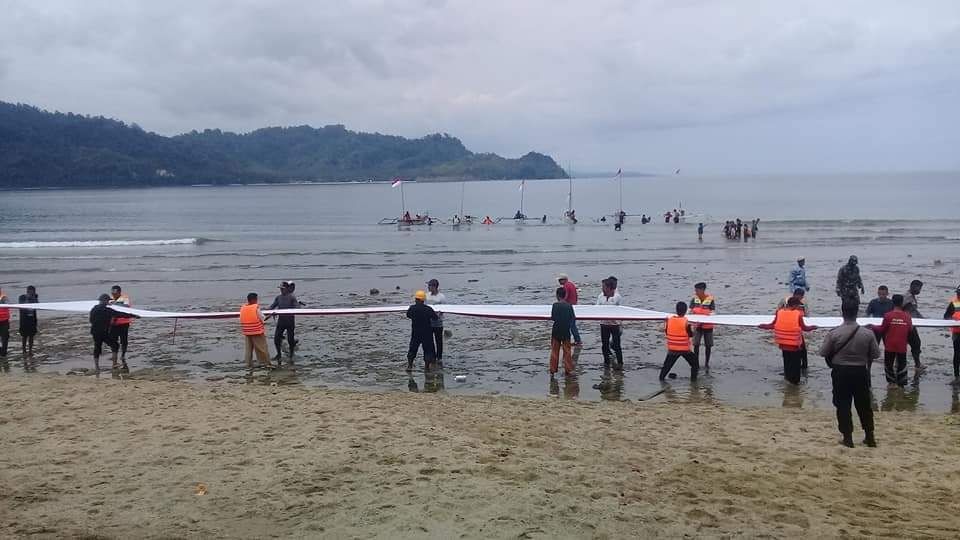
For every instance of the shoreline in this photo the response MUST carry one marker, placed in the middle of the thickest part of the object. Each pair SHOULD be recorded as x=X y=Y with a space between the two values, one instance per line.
x=121 y=458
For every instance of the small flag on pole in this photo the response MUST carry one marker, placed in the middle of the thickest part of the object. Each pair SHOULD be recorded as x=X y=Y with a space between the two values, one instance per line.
x=396 y=182
x=619 y=174
x=521 y=184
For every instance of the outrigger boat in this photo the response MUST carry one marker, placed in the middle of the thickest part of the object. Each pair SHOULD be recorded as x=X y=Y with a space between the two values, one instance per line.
x=405 y=218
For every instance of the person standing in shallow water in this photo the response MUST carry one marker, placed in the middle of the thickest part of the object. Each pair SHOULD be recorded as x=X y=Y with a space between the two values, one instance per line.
x=849 y=283
x=421 y=331
x=101 y=319
x=895 y=330
x=254 y=333
x=702 y=304
x=4 y=325
x=435 y=297
x=610 y=330
x=28 y=320
x=571 y=298
x=910 y=305
x=848 y=350
x=563 y=316
x=798 y=276
x=120 y=326
x=788 y=328
x=953 y=313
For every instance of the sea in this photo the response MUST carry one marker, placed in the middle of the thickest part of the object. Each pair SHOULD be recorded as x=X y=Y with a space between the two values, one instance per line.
x=205 y=248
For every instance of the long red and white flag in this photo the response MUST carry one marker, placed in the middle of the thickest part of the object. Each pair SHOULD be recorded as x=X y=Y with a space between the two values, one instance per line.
x=396 y=182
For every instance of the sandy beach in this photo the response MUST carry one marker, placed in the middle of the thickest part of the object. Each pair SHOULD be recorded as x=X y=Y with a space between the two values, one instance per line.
x=114 y=458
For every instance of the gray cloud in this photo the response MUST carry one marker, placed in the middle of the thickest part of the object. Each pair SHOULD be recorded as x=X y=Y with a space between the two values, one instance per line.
x=707 y=86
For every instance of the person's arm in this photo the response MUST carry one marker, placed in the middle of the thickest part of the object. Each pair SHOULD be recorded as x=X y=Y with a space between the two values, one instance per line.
x=275 y=304
x=826 y=348
x=91 y=315
x=410 y=312
x=948 y=314
x=874 y=348
x=884 y=326
x=260 y=314
x=689 y=330
x=770 y=325
x=804 y=327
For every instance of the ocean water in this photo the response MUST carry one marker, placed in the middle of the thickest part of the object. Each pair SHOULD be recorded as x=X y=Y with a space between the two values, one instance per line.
x=206 y=248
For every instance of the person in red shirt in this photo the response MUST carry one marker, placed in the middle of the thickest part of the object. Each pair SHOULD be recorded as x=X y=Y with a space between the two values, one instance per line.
x=895 y=329
x=571 y=298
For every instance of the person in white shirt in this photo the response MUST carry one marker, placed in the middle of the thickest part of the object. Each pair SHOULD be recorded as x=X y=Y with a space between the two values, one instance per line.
x=434 y=297
x=610 y=329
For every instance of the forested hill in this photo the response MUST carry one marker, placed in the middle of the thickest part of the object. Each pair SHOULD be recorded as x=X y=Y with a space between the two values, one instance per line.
x=44 y=149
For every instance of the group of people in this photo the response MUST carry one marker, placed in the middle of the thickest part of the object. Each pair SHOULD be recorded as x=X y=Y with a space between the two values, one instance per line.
x=737 y=229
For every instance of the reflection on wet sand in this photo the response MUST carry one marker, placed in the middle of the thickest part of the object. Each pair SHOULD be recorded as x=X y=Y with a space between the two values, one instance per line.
x=901 y=399
x=432 y=382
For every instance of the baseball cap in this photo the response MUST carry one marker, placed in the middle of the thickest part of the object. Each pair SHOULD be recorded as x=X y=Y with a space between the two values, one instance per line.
x=420 y=295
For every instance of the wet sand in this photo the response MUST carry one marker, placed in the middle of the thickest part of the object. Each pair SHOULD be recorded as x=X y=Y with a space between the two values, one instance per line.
x=123 y=458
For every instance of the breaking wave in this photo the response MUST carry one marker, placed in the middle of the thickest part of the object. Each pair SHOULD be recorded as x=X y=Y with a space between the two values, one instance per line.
x=100 y=243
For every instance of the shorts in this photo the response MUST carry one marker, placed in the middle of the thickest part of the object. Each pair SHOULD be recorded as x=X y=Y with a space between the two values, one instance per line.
x=706 y=335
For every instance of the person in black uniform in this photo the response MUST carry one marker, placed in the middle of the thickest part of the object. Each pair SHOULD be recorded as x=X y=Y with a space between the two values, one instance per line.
x=100 y=317
x=28 y=320
x=421 y=331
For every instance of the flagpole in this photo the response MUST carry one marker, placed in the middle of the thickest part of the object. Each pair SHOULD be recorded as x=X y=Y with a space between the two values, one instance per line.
x=521 y=198
x=403 y=201
x=621 y=190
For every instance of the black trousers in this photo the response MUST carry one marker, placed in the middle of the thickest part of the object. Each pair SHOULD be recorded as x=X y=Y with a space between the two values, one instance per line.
x=671 y=359
x=852 y=384
x=284 y=326
x=608 y=334
x=438 y=342
x=4 y=337
x=792 y=365
x=99 y=339
x=913 y=339
x=895 y=367
x=121 y=334
x=956 y=355
x=424 y=340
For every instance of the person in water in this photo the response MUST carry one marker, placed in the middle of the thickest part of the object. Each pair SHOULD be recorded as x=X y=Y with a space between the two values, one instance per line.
x=700 y=231
x=953 y=313
x=571 y=298
x=788 y=327
x=610 y=329
x=421 y=331
x=4 y=325
x=28 y=320
x=798 y=276
x=849 y=283
x=435 y=297
x=849 y=349
x=101 y=319
x=286 y=324
x=702 y=304
x=254 y=333
x=678 y=333
x=895 y=329
x=910 y=305
x=120 y=326
x=880 y=306
x=564 y=319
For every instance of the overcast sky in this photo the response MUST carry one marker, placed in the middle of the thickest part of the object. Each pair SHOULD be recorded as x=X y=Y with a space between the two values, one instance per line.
x=711 y=87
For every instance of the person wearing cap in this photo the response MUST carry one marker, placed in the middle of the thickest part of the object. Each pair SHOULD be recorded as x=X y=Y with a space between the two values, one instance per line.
x=101 y=320
x=285 y=323
x=254 y=333
x=120 y=326
x=4 y=325
x=702 y=304
x=421 y=331
x=434 y=297
x=849 y=283
x=571 y=298
x=953 y=313
x=798 y=276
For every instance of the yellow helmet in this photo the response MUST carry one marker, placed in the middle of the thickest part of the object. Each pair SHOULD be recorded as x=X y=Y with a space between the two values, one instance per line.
x=420 y=295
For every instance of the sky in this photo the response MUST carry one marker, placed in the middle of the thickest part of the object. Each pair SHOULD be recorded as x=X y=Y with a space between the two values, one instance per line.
x=709 y=87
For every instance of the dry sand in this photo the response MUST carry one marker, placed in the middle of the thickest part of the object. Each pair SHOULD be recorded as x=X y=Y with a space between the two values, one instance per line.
x=107 y=458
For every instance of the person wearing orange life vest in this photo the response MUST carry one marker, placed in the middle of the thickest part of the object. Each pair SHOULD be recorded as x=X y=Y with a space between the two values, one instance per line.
x=120 y=326
x=953 y=313
x=4 y=326
x=702 y=304
x=788 y=328
x=254 y=333
x=678 y=333
x=800 y=295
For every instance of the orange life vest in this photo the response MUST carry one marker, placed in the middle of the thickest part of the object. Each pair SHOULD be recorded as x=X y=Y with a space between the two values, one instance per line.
x=250 y=322
x=699 y=307
x=956 y=314
x=124 y=301
x=4 y=312
x=787 y=331
x=677 y=338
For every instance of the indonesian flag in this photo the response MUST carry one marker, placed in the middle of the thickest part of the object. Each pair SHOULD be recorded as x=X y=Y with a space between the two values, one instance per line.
x=521 y=185
x=396 y=182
